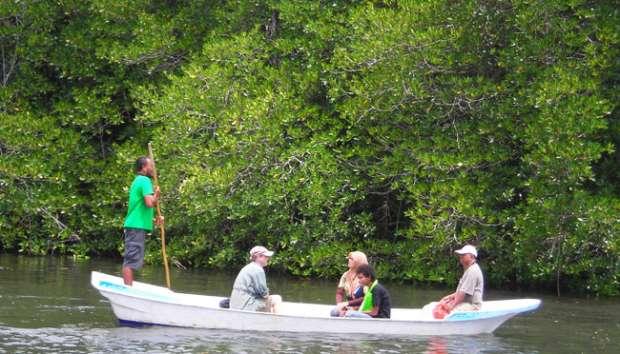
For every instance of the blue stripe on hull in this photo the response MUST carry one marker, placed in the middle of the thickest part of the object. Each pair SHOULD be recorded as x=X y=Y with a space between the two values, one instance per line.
x=134 y=324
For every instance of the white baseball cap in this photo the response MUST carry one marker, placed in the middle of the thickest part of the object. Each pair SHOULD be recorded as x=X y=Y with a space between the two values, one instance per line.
x=256 y=250
x=468 y=249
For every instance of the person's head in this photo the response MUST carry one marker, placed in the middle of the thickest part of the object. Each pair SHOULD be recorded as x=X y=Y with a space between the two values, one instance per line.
x=467 y=255
x=260 y=255
x=356 y=259
x=365 y=274
x=144 y=166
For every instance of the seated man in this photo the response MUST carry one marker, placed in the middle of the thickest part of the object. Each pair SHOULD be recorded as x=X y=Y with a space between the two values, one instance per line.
x=376 y=303
x=250 y=291
x=468 y=294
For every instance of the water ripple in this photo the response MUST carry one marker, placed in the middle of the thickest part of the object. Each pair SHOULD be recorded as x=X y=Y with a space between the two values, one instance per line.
x=77 y=339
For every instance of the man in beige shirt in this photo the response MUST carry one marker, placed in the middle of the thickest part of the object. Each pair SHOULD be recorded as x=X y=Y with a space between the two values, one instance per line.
x=468 y=294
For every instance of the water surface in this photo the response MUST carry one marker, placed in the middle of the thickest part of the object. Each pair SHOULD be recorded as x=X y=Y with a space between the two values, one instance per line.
x=48 y=306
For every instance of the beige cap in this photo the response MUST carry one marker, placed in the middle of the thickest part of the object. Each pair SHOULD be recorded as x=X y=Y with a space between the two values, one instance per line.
x=256 y=250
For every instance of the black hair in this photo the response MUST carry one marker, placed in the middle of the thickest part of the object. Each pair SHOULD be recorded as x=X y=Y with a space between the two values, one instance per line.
x=367 y=270
x=141 y=162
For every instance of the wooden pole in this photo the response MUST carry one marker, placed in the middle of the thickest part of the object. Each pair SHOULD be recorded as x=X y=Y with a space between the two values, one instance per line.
x=161 y=225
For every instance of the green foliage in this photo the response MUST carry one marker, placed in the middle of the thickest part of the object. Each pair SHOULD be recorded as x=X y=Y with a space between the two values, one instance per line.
x=402 y=129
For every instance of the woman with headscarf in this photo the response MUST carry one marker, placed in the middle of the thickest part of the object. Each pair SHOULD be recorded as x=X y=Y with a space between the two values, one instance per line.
x=349 y=294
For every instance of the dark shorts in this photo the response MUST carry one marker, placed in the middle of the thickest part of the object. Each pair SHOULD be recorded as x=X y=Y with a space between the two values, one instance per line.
x=134 y=248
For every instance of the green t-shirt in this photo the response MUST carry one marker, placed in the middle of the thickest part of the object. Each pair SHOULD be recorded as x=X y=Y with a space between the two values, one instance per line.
x=139 y=216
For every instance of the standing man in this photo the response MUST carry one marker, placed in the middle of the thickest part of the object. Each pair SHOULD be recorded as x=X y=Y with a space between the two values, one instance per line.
x=139 y=219
x=250 y=291
x=468 y=294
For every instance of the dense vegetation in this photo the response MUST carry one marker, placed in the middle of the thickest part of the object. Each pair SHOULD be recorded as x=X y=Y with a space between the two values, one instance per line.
x=401 y=128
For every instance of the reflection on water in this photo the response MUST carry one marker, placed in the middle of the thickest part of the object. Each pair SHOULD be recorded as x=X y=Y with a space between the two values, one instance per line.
x=48 y=306
x=69 y=339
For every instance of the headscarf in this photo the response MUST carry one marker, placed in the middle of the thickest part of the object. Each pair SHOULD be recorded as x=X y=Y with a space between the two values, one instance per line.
x=351 y=283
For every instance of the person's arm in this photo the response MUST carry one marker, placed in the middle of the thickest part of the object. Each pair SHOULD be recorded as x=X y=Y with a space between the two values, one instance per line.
x=448 y=298
x=356 y=302
x=374 y=311
x=339 y=295
x=260 y=284
x=151 y=199
x=459 y=297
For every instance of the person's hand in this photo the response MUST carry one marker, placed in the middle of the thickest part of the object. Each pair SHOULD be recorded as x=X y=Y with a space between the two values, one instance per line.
x=159 y=220
x=446 y=298
x=342 y=305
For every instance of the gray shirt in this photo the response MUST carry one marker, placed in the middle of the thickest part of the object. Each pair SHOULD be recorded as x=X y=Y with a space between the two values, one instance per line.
x=472 y=285
x=250 y=289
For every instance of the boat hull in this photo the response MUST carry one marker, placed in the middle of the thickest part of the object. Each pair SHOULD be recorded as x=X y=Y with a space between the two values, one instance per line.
x=148 y=304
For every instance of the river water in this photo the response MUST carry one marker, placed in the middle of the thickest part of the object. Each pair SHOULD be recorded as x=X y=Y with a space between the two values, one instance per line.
x=48 y=306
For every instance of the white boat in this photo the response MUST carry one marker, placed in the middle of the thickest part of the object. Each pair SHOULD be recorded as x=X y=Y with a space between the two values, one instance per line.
x=154 y=305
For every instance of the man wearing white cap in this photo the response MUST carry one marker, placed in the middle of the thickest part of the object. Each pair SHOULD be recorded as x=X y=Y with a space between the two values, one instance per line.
x=250 y=291
x=468 y=294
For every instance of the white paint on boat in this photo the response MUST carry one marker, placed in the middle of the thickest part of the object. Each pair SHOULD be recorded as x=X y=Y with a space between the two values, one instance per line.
x=150 y=304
